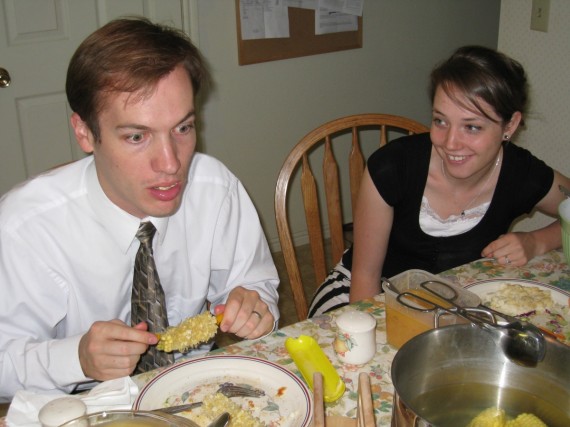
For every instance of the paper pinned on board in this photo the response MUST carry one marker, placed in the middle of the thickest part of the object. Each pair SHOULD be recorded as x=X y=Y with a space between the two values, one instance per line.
x=265 y=19
x=350 y=7
x=328 y=21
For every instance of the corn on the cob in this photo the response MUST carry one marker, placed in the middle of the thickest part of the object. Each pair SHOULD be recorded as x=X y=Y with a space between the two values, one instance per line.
x=491 y=417
x=526 y=420
x=495 y=417
x=189 y=333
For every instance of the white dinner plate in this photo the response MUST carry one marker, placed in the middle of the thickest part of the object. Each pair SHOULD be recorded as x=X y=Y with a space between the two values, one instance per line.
x=287 y=401
x=556 y=321
x=486 y=287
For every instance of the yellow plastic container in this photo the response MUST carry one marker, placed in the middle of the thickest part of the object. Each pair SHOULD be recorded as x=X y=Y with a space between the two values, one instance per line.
x=404 y=323
x=310 y=358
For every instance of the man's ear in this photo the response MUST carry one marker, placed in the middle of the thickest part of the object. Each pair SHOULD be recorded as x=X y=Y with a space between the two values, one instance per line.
x=83 y=135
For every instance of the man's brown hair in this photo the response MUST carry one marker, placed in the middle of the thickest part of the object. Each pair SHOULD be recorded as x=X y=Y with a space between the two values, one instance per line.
x=128 y=55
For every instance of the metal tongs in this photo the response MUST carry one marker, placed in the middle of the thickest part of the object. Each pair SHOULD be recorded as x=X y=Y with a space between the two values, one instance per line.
x=522 y=342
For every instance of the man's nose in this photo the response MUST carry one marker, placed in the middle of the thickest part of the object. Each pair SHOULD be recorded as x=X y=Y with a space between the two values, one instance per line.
x=165 y=158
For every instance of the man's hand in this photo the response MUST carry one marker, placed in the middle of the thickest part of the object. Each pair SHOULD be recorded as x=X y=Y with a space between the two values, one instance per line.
x=245 y=314
x=112 y=349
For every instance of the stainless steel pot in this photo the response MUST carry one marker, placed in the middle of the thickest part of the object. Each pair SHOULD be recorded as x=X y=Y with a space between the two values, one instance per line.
x=447 y=376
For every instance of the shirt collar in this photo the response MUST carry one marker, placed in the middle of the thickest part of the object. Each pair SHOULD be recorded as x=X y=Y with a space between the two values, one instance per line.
x=121 y=225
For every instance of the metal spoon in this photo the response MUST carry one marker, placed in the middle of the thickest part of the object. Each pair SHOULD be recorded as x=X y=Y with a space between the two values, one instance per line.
x=222 y=421
x=522 y=343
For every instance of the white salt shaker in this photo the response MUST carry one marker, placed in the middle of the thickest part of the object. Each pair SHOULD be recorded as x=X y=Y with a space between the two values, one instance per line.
x=355 y=341
x=59 y=411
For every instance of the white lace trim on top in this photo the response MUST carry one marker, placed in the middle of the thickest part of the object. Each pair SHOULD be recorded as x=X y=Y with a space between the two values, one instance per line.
x=432 y=224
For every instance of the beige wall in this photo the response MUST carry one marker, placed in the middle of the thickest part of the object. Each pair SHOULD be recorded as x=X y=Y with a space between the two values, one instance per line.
x=546 y=58
x=260 y=111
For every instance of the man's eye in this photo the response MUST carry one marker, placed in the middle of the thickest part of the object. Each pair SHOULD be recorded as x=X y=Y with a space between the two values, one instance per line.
x=185 y=128
x=135 y=138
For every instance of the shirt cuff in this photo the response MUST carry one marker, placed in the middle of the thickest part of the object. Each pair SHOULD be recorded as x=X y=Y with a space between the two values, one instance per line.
x=275 y=324
x=64 y=362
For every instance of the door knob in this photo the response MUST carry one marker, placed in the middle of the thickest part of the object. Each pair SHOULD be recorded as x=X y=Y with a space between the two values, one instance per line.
x=4 y=78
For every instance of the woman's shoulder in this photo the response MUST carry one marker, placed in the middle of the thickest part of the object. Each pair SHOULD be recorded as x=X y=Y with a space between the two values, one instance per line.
x=522 y=160
x=400 y=166
x=418 y=144
x=522 y=168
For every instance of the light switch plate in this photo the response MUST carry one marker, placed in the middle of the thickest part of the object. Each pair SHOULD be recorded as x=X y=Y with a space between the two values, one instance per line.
x=539 y=15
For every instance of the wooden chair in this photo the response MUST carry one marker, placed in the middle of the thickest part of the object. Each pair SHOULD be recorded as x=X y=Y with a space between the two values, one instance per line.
x=345 y=130
x=364 y=406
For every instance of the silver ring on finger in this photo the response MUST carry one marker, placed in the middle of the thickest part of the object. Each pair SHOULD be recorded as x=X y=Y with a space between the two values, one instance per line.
x=258 y=314
x=507 y=260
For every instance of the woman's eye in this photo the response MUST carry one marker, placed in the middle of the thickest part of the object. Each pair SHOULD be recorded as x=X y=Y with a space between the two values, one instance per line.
x=438 y=121
x=473 y=128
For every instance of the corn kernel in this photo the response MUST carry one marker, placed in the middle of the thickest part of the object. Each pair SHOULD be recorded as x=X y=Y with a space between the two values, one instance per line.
x=215 y=404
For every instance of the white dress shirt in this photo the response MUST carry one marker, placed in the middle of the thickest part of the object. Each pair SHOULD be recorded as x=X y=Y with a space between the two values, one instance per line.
x=67 y=255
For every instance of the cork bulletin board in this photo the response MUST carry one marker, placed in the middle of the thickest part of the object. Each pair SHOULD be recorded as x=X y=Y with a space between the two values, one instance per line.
x=302 y=41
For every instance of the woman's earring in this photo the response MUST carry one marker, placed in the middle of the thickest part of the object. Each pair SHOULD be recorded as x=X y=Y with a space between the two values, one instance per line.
x=506 y=137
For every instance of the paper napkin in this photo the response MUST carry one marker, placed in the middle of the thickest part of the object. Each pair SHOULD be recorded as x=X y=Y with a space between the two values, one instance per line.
x=110 y=395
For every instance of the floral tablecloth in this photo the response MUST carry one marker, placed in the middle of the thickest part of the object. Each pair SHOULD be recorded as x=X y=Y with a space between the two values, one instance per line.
x=550 y=268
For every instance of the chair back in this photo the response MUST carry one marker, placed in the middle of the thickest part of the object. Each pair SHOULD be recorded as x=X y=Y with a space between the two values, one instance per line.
x=344 y=130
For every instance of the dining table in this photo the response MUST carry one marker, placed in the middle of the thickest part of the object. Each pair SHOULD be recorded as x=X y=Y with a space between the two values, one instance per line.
x=550 y=268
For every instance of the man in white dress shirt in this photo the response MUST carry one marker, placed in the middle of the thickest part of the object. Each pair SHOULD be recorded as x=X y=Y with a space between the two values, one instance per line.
x=67 y=237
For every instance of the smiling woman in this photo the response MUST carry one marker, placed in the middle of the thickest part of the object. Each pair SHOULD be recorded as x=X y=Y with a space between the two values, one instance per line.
x=452 y=200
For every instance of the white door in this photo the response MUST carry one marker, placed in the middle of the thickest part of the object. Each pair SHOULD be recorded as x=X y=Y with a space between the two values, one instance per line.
x=37 y=39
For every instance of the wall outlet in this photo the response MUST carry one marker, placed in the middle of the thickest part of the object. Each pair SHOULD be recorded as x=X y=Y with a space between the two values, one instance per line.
x=539 y=15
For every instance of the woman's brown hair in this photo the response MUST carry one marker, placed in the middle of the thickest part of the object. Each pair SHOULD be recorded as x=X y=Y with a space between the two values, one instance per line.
x=478 y=72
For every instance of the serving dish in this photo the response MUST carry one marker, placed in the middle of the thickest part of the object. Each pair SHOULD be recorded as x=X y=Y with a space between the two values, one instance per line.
x=555 y=320
x=287 y=401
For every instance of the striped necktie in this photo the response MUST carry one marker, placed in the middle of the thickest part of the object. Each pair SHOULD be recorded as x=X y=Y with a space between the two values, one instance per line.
x=147 y=300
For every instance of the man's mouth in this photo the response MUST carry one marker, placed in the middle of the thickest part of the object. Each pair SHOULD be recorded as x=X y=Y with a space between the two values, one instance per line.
x=166 y=193
x=165 y=188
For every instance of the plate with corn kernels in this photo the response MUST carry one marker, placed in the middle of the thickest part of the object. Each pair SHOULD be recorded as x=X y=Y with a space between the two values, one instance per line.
x=543 y=305
x=286 y=401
